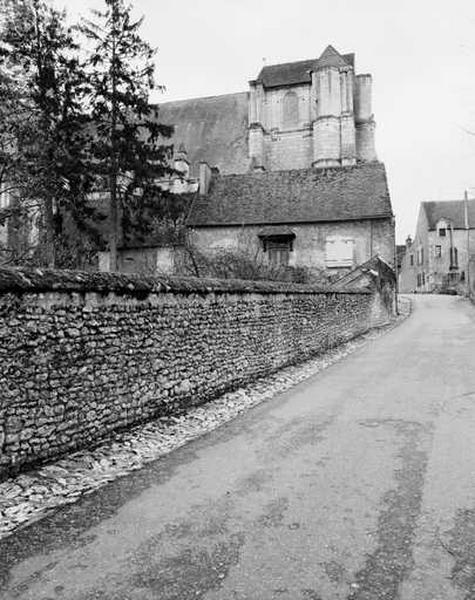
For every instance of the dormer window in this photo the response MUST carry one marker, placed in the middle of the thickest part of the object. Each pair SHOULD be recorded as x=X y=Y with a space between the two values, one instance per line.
x=442 y=228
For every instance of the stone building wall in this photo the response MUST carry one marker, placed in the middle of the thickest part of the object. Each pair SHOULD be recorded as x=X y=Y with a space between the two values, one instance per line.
x=289 y=149
x=272 y=109
x=85 y=354
x=371 y=236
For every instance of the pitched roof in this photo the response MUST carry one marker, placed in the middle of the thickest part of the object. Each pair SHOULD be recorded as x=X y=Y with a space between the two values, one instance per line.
x=298 y=196
x=293 y=73
x=287 y=73
x=451 y=210
x=366 y=273
x=331 y=58
x=212 y=129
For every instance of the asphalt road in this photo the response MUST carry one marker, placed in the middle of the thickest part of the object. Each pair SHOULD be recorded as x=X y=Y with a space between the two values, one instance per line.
x=357 y=484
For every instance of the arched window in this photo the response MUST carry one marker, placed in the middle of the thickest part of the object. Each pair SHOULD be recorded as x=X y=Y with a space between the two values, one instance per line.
x=290 y=110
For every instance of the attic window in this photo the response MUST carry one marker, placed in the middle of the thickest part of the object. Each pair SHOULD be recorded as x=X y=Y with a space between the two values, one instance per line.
x=442 y=231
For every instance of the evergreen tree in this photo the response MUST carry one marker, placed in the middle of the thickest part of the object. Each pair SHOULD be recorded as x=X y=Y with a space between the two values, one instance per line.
x=47 y=153
x=127 y=149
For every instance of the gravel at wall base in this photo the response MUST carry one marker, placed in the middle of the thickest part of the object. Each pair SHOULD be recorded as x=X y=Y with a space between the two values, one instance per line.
x=30 y=496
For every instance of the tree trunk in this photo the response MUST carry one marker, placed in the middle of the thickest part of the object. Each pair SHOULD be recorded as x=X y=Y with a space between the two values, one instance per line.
x=50 y=250
x=113 y=212
x=113 y=223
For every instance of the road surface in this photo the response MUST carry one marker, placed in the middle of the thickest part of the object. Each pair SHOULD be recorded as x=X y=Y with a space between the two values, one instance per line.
x=357 y=484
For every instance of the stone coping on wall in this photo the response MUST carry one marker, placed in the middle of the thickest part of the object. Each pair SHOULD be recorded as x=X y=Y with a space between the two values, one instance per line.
x=35 y=280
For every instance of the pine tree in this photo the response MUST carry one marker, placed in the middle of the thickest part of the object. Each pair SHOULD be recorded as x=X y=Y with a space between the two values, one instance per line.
x=127 y=150
x=47 y=155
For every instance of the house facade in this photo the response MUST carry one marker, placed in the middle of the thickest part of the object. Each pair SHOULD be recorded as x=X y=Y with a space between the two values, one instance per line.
x=438 y=257
x=323 y=220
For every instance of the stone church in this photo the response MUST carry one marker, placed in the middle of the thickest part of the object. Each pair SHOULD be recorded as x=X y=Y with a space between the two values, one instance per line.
x=288 y=168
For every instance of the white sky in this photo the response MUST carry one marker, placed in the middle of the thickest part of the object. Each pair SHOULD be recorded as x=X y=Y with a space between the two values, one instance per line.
x=421 y=54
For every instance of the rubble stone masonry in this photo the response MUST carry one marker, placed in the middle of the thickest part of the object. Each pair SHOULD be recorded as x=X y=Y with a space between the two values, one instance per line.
x=84 y=354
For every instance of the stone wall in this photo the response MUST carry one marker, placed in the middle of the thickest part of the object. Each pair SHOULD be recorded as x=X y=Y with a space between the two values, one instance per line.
x=85 y=354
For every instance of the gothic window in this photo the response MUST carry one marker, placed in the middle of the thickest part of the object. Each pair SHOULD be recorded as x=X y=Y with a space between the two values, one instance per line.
x=290 y=110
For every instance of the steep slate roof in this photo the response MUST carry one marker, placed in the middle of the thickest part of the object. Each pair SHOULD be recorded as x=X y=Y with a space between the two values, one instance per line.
x=212 y=129
x=298 y=196
x=452 y=210
x=299 y=72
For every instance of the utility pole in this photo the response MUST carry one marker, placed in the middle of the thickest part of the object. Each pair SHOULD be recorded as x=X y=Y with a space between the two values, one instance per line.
x=467 y=228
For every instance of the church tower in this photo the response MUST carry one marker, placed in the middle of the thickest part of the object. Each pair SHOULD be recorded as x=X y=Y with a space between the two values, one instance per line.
x=333 y=128
x=331 y=124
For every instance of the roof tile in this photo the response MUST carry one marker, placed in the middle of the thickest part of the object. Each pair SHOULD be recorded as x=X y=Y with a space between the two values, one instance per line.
x=212 y=129
x=293 y=73
x=297 y=196
x=451 y=210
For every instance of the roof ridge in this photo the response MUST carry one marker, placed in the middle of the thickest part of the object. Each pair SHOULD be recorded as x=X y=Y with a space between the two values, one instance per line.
x=290 y=62
x=159 y=104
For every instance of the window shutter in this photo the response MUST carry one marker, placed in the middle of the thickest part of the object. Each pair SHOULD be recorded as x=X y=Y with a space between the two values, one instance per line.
x=339 y=252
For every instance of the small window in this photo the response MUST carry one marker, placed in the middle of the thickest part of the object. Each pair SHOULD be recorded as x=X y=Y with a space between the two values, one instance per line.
x=442 y=232
x=278 y=253
x=423 y=278
x=411 y=260
x=339 y=252
x=453 y=257
x=438 y=251
x=278 y=247
x=418 y=280
x=420 y=256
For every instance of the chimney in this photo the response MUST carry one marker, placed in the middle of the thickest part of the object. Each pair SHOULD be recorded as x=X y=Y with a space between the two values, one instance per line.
x=181 y=162
x=205 y=178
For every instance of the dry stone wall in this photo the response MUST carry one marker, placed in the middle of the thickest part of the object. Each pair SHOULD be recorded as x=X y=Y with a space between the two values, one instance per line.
x=84 y=354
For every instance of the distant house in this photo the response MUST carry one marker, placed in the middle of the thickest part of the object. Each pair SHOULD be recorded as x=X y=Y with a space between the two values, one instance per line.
x=438 y=257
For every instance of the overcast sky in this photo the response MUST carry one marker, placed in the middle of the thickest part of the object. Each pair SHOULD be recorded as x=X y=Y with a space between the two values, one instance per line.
x=421 y=54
